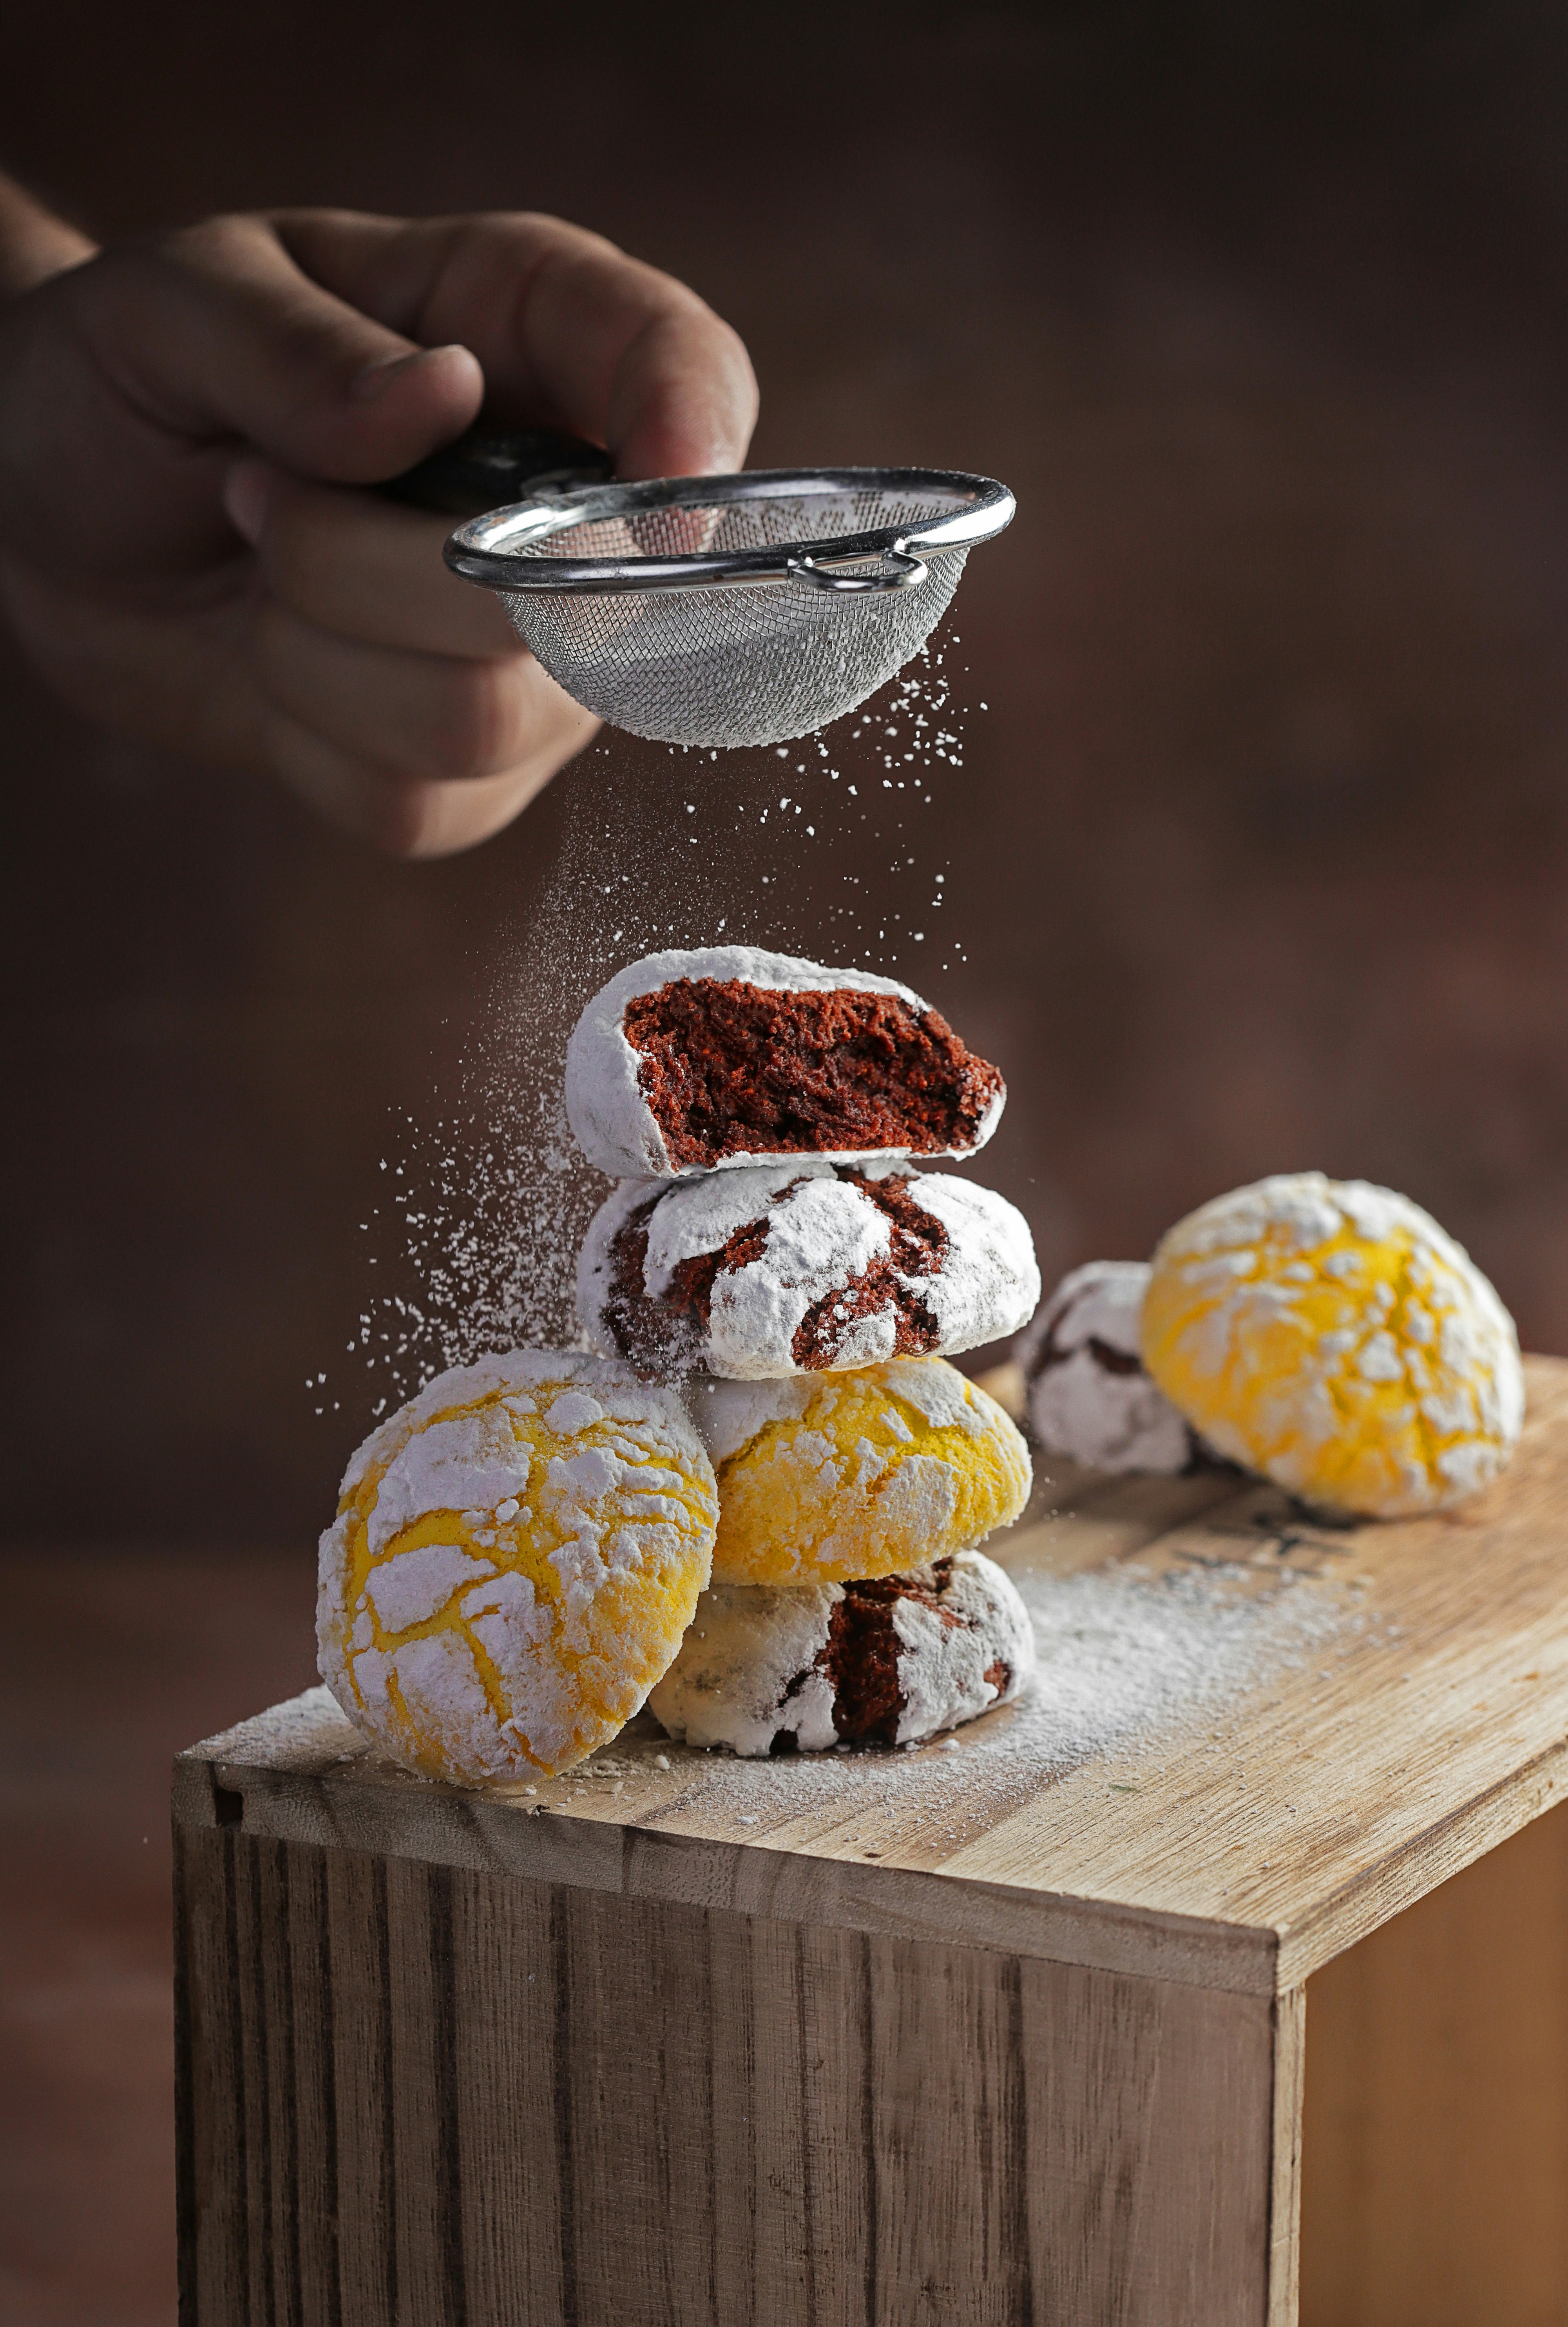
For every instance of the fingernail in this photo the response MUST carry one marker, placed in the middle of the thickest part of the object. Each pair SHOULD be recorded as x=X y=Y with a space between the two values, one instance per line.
x=377 y=378
x=245 y=499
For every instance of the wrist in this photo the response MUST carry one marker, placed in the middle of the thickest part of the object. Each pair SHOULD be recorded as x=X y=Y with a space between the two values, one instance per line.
x=34 y=244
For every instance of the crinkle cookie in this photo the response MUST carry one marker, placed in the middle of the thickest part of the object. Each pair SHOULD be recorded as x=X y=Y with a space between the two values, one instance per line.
x=895 y=1658
x=1330 y=1334
x=827 y=1478
x=686 y=1062
x=1089 y=1397
x=516 y=1557
x=800 y=1268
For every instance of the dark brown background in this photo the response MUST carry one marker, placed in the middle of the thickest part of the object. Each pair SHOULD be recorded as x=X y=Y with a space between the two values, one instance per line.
x=1259 y=850
x=1259 y=854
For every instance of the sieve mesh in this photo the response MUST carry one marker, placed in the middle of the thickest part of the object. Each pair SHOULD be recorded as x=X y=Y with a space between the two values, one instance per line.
x=734 y=661
x=726 y=667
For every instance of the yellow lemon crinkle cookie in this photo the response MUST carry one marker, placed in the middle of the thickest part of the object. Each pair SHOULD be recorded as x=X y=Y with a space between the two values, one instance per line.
x=831 y=1477
x=516 y=1557
x=1331 y=1335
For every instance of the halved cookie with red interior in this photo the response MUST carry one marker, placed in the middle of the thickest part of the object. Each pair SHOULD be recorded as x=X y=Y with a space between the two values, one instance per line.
x=693 y=1062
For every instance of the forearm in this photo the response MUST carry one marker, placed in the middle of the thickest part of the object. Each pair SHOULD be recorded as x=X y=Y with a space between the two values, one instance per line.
x=33 y=243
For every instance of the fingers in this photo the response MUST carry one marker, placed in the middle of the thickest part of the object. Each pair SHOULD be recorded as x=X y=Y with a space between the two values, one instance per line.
x=219 y=332
x=399 y=815
x=440 y=718
x=671 y=385
x=566 y=327
x=353 y=563
x=396 y=698
x=349 y=347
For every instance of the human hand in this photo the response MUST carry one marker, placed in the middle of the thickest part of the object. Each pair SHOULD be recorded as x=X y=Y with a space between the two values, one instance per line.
x=186 y=553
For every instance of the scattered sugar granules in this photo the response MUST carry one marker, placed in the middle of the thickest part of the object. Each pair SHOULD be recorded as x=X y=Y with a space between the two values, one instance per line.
x=1129 y=1662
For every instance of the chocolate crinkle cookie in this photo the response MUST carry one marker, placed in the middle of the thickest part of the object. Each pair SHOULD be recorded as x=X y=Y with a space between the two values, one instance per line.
x=1089 y=1397
x=690 y=1061
x=892 y=1660
x=802 y=1267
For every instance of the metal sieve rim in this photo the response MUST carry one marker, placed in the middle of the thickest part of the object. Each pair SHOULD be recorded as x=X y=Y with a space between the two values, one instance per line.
x=477 y=549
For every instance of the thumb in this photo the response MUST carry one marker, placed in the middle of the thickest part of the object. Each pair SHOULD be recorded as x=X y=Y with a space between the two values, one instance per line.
x=217 y=331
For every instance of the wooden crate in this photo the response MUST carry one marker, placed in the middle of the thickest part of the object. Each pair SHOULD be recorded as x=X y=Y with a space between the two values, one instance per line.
x=612 y=2052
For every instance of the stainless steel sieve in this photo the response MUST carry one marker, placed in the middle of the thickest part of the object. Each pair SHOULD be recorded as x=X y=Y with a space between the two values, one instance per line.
x=721 y=611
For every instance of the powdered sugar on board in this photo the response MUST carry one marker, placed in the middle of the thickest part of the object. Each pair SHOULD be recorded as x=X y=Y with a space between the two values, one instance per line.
x=1137 y=1659
x=1141 y=1660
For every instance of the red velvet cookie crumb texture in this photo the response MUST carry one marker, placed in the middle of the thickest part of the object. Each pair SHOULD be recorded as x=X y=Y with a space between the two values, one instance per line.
x=658 y=1342
x=919 y=1243
x=664 y=1338
x=1051 y=1351
x=861 y=1655
x=730 y=1069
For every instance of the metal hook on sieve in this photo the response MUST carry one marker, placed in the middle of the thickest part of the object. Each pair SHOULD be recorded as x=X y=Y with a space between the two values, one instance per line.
x=898 y=570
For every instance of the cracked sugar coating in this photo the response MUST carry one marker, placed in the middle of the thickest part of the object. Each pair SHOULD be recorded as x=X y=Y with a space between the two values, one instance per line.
x=801 y=1267
x=1089 y=1397
x=827 y=1478
x=516 y=1557
x=691 y=1061
x=1330 y=1334
x=896 y=1659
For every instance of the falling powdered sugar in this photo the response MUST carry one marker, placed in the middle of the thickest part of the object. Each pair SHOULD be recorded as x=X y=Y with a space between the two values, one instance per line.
x=471 y=1239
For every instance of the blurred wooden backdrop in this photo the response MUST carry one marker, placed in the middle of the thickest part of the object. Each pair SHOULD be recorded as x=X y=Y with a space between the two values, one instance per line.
x=1260 y=853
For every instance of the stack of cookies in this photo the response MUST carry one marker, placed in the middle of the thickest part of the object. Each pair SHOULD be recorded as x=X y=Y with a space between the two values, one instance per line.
x=773 y=1251
x=759 y=1497
x=754 y=1507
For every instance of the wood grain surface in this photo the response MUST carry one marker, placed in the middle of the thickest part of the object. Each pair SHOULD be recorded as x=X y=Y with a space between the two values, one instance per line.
x=1435 y=2143
x=409 y=2091
x=1240 y=1852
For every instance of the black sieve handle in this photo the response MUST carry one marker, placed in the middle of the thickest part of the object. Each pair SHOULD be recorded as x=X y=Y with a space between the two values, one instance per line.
x=487 y=469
